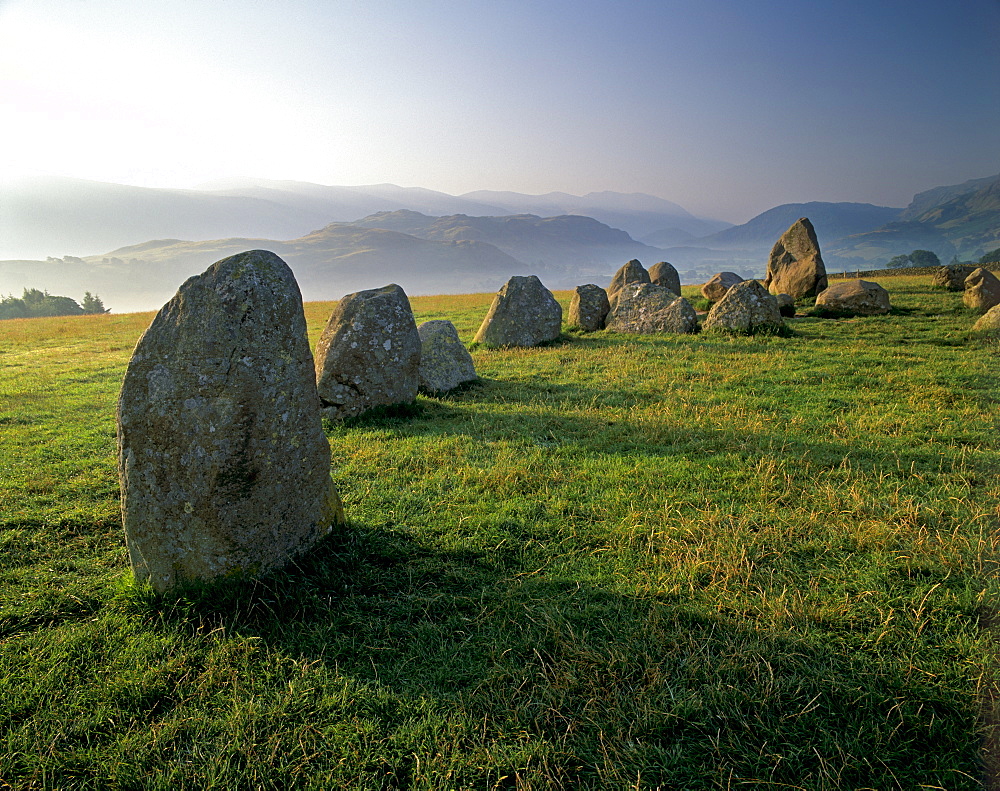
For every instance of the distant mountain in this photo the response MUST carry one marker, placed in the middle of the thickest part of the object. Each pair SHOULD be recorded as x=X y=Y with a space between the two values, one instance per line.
x=637 y=213
x=421 y=253
x=832 y=221
x=962 y=220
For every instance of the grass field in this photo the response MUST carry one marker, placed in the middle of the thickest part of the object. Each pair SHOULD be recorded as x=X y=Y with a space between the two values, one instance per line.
x=676 y=562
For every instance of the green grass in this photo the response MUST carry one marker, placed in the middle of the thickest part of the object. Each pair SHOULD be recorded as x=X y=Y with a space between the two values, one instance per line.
x=677 y=562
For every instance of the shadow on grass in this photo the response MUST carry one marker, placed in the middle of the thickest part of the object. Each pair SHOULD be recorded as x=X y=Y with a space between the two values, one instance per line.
x=615 y=689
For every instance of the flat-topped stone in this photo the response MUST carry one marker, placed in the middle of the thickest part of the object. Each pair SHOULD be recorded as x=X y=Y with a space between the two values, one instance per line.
x=858 y=297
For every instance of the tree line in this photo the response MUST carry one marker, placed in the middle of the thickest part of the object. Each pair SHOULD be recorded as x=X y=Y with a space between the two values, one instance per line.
x=34 y=303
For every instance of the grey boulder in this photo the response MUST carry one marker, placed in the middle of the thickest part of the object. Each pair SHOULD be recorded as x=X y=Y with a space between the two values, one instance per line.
x=857 y=297
x=368 y=354
x=746 y=308
x=523 y=313
x=952 y=276
x=589 y=308
x=664 y=274
x=445 y=363
x=646 y=308
x=630 y=272
x=717 y=285
x=796 y=266
x=223 y=464
x=982 y=290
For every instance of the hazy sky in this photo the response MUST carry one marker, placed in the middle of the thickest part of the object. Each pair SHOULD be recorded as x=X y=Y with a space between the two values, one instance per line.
x=727 y=107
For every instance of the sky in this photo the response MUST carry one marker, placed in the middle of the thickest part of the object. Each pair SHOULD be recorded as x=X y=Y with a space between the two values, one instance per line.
x=726 y=107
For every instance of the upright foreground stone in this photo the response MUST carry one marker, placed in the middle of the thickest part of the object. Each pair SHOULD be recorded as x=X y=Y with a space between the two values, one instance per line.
x=664 y=274
x=445 y=363
x=952 y=276
x=523 y=313
x=368 y=354
x=223 y=464
x=747 y=308
x=589 y=308
x=982 y=290
x=631 y=272
x=648 y=308
x=717 y=285
x=858 y=297
x=989 y=321
x=796 y=267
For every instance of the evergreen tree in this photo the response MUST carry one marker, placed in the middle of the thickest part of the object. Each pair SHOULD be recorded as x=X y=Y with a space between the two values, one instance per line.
x=92 y=303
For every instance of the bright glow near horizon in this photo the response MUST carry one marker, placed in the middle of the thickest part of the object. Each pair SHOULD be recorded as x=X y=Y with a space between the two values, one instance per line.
x=725 y=108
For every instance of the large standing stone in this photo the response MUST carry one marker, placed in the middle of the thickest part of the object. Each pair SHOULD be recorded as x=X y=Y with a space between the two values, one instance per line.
x=747 y=308
x=368 y=354
x=982 y=290
x=648 y=308
x=631 y=272
x=664 y=274
x=445 y=363
x=523 y=313
x=223 y=464
x=859 y=297
x=717 y=285
x=589 y=308
x=796 y=266
x=990 y=320
x=952 y=276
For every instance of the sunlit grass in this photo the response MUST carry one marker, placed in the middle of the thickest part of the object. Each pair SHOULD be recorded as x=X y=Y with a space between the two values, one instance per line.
x=618 y=562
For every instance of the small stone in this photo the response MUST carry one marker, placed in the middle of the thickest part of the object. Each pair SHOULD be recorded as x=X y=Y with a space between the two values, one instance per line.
x=523 y=313
x=664 y=274
x=445 y=363
x=796 y=266
x=647 y=308
x=631 y=272
x=224 y=467
x=856 y=297
x=717 y=285
x=368 y=354
x=982 y=290
x=589 y=308
x=746 y=308
x=786 y=305
x=952 y=276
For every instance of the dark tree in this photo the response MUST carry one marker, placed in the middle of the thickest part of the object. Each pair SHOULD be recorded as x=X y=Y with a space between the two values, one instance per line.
x=924 y=258
x=92 y=303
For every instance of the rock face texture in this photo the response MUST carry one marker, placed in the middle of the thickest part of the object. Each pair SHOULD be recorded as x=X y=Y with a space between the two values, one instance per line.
x=223 y=464
x=717 y=285
x=632 y=272
x=796 y=267
x=523 y=313
x=859 y=297
x=952 y=276
x=664 y=274
x=589 y=308
x=990 y=320
x=745 y=309
x=368 y=354
x=982 y=290
x=648 y=308
x=445 y=363
x=786 y=305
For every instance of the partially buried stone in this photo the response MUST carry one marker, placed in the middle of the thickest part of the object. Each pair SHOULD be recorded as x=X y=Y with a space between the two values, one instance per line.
x=523 y=313
x=445 y=363
x=368 y=354
x=223 y=464
x=717 y=285
x=747 y=308
x=646 y=308
x=589 y=308
x=786 y=305
x=856 y=297
x=664 y=274
x=982 y=290
x=796 y=266
x=631 y=272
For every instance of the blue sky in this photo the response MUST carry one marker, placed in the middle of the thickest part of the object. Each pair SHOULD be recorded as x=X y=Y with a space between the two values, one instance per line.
x=726 y=107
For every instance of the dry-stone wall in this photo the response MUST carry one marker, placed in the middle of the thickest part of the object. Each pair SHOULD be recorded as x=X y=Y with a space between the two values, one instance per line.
x=368 y=354
x=223 y=464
